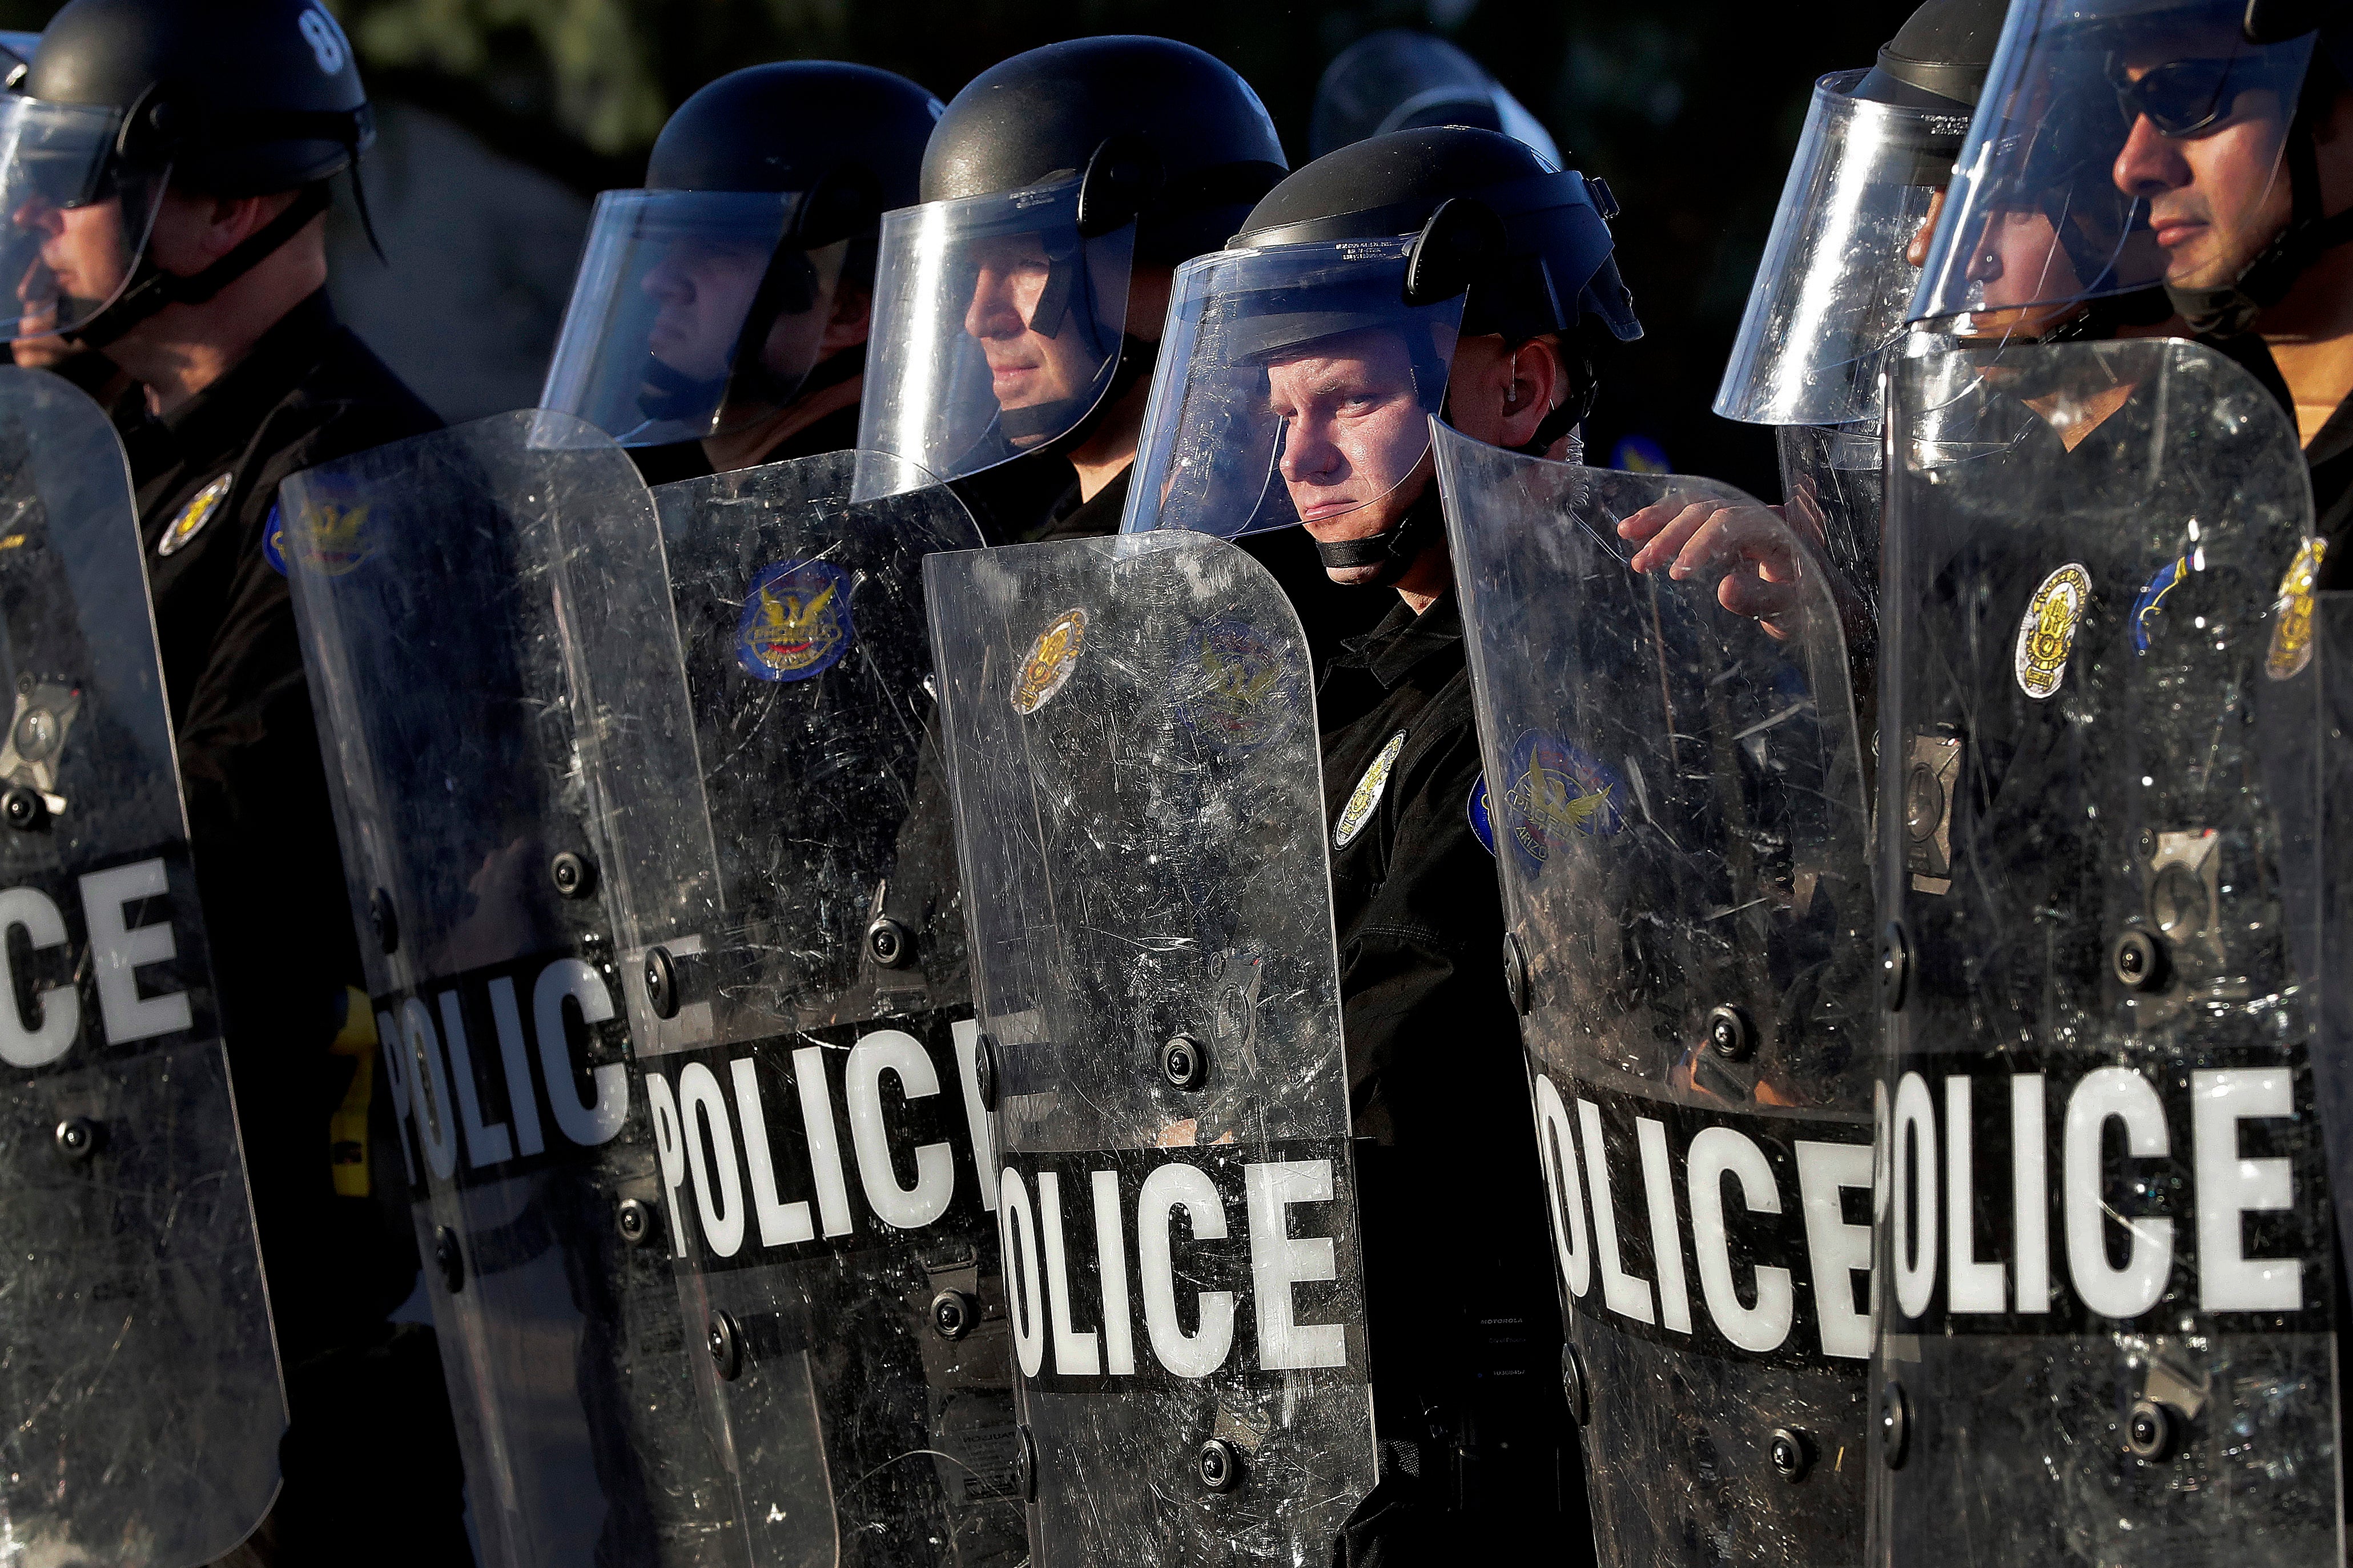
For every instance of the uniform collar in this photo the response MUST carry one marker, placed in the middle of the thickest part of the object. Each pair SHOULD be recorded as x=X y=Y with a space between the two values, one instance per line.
x=2335 y=437
x=1391 y=650
x=226 y=411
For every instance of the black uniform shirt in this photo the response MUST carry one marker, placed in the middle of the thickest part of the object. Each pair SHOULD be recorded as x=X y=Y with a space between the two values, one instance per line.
x=2331 y=457
x=1455 y=1238
x=276 y=910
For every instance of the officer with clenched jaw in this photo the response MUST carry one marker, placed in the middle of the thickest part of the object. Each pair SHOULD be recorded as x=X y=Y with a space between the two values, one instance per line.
x=1449 y=273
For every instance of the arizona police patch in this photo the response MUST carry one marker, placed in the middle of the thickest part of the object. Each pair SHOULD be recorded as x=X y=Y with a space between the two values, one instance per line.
x=1557 y=792
x=1367 y=795
x=795 y=621
x=1482 y=820
x=2152 y=599
x=326 y=539
x=2046 y=633
x=1229 y=691
x=1051 y=658
x=195 y=515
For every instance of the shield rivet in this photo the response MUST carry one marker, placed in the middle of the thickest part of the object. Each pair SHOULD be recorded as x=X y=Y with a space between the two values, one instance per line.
x=1185 y=1061
x=1572 y=1383
x=984 y=1071
x=574 y=875
x=451 y=1258
x=953 y=1314
x=1220 y=1466
x=892 y=945
x=725 y=1343
x=2138 y=960
x=385 y=923
x=1025 y=1465
x=2152 y=1431
x=1894 y=1425
x=1791 y=1453
x=1730 y=1035
x=76 y=1137
x=661 y=983
x=1894 y=966
x=1515 y=973
x=23 y=807
x=634 y=1218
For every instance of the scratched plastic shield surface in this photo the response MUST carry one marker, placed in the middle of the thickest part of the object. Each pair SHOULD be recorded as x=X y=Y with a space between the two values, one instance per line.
x=1677 y=807
x=1139 y=814
x=2103 y=1298
x=140 y=1379
x=792 y=929
x=1831 y=488
x=423 y=577
x=2331 y=863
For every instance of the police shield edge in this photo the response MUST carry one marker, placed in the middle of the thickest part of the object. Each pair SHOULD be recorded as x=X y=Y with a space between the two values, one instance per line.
x=142 y=1384
x=783 y=877
x=1678 y=815
x=2104 y=1301
x=423 y=577
x=1141 y=822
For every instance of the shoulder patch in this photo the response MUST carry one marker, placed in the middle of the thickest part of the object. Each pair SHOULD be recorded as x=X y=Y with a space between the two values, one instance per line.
x=1557 y=792
x=1367 y=795
x=1483 y=822
x=2152 y=599
x=272 y=541
x=2291 y=647
x=195 y=515
x=795 y=621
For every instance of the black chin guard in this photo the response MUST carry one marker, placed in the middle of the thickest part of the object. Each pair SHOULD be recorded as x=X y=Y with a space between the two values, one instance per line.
x=1394 y=548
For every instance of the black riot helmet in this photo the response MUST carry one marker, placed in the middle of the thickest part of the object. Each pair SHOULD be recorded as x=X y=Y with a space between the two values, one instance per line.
x=124 y=98
x=1382 y=255
x=1001 y=301
x=1398 y=80
x=764 y=190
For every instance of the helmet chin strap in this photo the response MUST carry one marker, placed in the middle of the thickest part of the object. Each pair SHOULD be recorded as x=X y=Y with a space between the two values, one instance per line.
x=152 y=288
x=1394 y=548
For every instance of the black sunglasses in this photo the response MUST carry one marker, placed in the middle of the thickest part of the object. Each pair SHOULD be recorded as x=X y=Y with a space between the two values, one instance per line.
x=2183 y=98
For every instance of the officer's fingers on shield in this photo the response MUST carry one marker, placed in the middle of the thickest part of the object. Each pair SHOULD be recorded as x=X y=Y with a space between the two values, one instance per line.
x=1668 y=526
x=1758 y=598
x=1735 y=535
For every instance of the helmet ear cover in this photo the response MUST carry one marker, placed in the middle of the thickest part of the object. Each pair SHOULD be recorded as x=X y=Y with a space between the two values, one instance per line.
x=1462 y=241
x=1123 y=178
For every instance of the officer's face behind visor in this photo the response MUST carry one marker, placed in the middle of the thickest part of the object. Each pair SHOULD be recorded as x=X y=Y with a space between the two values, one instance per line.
x=704 y=289
x=77 y=220
x=1041 y=353
x=1354 y=431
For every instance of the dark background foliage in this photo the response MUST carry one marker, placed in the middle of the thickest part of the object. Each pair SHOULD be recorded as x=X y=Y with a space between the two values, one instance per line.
x=1690 y=110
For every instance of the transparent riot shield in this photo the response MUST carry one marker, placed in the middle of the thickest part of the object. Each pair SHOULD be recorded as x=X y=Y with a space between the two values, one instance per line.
x=144 y=1408
x=1833 y=497
x=424 y=576
x=2104 y=1301
x=1678 y=815
x=1140 y=817
x=2330 y=862
x=792 y=931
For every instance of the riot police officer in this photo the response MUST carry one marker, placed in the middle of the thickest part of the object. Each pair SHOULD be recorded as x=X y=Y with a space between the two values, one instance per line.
x=170 y=214
x=720 y=314
x=1319 y=347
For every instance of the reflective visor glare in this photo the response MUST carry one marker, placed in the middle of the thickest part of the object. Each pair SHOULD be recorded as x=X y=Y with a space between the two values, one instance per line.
x=666 y=284
x=1295 y=385
x=76 y=222
x=1835 y=278
x=997 y=329
x=2116 y=149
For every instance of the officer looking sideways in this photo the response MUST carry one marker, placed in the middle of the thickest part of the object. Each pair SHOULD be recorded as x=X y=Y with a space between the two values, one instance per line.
x=173 y=220
x=720 y=314
x=1308 y=349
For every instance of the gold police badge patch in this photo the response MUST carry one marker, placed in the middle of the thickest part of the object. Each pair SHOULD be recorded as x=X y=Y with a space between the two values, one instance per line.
x=195 y=515
x=1367 y=795
x=2291 y=647
x=2046 y=633
x=1051 y=658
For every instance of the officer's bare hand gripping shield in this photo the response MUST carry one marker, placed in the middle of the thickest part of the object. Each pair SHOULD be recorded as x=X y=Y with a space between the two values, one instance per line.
x=793 y=949
x=141 y=1384
x=2102 y=1306
x=1677 y=808
x=423 y=577
x=1140 y=819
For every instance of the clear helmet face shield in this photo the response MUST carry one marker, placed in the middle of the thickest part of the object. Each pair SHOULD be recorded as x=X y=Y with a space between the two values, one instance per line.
x=77 y=216
x=999 y=323
x=1835 y=279
x=674 y=287
x=2120 y=145
x=1295 y=384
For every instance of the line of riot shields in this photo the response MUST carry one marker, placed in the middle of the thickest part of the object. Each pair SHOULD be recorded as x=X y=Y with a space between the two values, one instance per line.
x=862 y=1027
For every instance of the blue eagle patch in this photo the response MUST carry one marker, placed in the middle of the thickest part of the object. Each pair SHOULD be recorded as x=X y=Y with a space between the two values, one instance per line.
x=1482 y=825
x=271 y=532
x=2168 y=577
x=795 y=621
